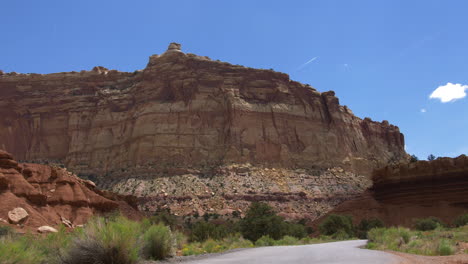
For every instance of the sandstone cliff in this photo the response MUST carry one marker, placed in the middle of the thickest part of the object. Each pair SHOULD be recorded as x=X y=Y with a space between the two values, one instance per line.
x=51 y=195
x=407 y=191
x=185 y=110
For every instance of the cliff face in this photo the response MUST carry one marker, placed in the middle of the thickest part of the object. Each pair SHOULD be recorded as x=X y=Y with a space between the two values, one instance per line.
x=52 y=195
x=414 y=190
x=185 y=110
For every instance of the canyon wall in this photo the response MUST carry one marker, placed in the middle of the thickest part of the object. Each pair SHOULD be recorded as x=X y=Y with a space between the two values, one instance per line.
x=183 y=111
x=402 y=193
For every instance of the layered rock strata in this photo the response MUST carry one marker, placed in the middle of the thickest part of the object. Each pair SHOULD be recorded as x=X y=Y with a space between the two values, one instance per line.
x=176 y=133
x=186 y=110
x=402 y=193
x=294 y=193
x=45 y=195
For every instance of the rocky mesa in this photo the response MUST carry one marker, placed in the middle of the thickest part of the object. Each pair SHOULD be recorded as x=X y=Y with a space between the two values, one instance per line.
x=195 y=134
x=185 y=110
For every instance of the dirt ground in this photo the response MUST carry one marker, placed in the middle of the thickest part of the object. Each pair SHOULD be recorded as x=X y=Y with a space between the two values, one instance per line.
x=417 y=259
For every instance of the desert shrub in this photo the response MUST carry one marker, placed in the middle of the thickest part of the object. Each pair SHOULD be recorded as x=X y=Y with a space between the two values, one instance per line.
x=157 y=242
x=426 y=224
x=295 y=230
x=414 y=158
x=180 y=239
x=461 y=220
x=105 y=241
x=440 y=241
x=393 y=238
x=287 y=240
x=237 y=241
x=164 y=217
x=261 y=220
x=5 y=230
x=367 y=224
x=337 y=223
x=212 y=246
x=20 y=251
x=341 y=235
x=265 y=241
x=192 y=249
x=202 y=230
x=444 y=248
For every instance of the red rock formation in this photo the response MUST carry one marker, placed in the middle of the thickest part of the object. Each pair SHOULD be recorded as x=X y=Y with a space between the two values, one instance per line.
x=51 y=194
x=185 y=110
x=421 y=189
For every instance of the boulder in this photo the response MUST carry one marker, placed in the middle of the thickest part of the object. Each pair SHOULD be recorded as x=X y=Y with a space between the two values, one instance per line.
x=17 y=215
x=46 y=229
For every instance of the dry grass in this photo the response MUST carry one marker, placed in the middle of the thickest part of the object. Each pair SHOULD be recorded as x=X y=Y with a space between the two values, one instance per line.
x=438 y=242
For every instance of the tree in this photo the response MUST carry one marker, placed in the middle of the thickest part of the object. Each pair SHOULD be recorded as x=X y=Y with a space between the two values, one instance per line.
x=431 y=157
x=261 y=220
x=337 y=224
x=414 y=158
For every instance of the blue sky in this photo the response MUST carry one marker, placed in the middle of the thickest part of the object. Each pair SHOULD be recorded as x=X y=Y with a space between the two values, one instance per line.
x=382 y=58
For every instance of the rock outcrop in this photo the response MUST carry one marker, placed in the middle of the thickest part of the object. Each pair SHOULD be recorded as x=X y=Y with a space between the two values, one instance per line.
x=182 y=111
x=407 y=191
x=34 y=195
x=193 y=135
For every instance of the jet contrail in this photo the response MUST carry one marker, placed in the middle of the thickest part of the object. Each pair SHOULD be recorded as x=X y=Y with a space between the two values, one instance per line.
x=305 y=64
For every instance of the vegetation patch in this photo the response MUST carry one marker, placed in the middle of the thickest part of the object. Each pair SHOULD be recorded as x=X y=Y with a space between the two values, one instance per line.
x=438 y=242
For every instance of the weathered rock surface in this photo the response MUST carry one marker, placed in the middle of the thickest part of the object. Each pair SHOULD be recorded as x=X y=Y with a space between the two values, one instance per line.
x=17 y=215
x=46 y=229
x=407 y=191
x=185 y=110
x=296 y=193
x=41 y=195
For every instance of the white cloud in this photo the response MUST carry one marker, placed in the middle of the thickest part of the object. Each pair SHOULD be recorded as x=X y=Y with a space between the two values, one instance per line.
x=449 y=92
x=423 y=110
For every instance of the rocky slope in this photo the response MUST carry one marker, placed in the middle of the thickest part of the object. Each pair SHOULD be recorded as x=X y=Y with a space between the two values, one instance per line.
x=187 y=119
x=34 y=195
x=404 y=192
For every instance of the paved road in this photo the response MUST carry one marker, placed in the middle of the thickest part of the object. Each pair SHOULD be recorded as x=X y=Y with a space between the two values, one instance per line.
x=345 y=252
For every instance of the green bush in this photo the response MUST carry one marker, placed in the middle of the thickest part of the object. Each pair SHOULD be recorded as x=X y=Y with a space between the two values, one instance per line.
x=105 y=241
x=20 y=251
x=164 y=217
x=261 y=220
x=202 y=230
x=367 y=224
x=341 y=235
x=392 y=237
x=287 y=240
x=265 y=241
x=461 y=220
x=180 y=239
x=337 y=223
x=444 y=248
x=295 y=230
x=426 y=224
x=157 y=242
x=5 y=230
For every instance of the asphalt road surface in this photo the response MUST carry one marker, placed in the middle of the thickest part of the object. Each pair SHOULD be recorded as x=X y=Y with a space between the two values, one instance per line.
x=333 y=253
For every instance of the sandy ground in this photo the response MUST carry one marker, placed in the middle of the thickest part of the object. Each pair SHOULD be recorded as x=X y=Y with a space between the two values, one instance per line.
x=417 y=259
